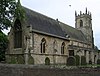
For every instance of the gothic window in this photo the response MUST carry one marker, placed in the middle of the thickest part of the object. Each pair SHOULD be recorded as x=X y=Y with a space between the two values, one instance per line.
x=81 y=23
x=17 y=34
x=47 y=61
x=43 y=43
x=62 y=48
x=30 y=60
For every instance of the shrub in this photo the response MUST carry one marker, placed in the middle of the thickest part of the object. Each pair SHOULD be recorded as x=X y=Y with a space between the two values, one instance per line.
x=71 y=61
x=3 y=45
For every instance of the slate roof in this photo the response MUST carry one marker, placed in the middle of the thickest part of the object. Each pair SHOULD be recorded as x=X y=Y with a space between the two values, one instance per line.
x=48 y=25
x=73 y=32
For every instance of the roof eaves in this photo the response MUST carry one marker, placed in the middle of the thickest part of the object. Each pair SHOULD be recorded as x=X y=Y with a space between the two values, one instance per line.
x=48 y=34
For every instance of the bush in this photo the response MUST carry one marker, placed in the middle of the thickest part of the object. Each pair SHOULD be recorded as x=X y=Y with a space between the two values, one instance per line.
x=77 y=57
x=3 y=45
x=83 y=60
x=71 y=61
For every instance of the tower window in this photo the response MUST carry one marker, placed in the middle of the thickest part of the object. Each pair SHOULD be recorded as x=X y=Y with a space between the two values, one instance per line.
x=17 y=34
x=81 y=23
x=43 y=43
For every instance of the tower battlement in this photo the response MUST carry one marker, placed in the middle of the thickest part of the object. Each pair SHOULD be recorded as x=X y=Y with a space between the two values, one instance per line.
x=86 y=14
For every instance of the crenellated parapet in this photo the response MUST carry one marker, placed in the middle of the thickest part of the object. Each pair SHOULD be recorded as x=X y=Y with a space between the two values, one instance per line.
x=80 y=15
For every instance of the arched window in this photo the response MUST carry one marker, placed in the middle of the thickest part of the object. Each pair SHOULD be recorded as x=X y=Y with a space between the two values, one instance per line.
x=62 y=48
x=43 y=43
x=81 y=23
x=30 y=60
x=47 y=61
x=17 y=34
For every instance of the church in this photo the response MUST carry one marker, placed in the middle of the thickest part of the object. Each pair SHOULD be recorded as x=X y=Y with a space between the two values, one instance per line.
x=40 y=39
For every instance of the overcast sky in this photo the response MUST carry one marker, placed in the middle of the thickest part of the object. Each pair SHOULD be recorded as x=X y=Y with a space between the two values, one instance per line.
x=64 y=10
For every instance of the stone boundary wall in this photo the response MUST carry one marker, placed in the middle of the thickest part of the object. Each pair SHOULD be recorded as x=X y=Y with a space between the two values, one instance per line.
x=31 y=70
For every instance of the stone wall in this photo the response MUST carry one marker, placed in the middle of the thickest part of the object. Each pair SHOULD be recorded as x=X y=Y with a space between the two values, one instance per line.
x=30 y=70
x=52 y=49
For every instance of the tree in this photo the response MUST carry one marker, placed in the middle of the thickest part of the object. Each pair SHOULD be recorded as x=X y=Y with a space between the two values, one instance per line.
x=9 y=9
x=3 y=45
x=19 y=11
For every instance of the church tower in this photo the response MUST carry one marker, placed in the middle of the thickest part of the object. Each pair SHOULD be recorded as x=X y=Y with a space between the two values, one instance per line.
x=83 y=22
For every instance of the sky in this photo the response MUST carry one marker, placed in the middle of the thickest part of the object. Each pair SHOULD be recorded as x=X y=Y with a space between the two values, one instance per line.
x=64 y=11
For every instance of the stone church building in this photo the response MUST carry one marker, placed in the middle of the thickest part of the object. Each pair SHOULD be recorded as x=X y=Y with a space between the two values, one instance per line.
x=42 y=40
